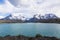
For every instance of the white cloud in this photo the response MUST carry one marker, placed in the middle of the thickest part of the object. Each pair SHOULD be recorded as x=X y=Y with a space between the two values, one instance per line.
x=2 y=17
x=30 y=7
x=6 y=8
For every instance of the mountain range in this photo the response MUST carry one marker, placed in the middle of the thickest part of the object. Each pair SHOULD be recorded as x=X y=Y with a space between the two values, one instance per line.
x=35 y=17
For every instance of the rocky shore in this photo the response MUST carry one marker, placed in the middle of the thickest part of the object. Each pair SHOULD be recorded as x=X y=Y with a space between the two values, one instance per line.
x=21 y=37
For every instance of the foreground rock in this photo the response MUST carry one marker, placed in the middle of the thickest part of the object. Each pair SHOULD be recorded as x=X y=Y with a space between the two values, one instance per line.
x=21 y=37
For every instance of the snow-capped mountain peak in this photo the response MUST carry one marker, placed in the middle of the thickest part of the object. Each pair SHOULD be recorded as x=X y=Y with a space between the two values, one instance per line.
x=36 y=16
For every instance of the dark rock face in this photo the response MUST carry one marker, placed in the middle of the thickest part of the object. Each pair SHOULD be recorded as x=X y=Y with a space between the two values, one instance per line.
x=7 y=17
x=50 y=16
x=33 y=20
x=21 y=37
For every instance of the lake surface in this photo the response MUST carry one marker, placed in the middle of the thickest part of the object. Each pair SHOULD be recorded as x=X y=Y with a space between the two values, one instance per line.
x=30 y=29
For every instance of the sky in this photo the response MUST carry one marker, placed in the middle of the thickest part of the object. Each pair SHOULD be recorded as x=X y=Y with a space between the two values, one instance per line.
x=28 y=8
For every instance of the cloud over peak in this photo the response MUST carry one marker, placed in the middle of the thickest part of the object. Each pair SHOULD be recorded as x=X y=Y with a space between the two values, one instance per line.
x=31 y=7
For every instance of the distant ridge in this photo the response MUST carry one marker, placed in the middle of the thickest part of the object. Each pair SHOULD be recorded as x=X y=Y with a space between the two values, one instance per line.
x=7 y=17
x=36 y=18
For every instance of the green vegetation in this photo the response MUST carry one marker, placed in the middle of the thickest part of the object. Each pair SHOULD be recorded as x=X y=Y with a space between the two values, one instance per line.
x=36 y=21
x=49 y=21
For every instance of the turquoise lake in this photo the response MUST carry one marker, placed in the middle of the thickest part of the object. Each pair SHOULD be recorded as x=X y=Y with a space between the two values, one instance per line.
x=30 y=29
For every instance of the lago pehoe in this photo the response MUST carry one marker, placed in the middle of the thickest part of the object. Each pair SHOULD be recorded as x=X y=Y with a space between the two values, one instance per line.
x=43 y=28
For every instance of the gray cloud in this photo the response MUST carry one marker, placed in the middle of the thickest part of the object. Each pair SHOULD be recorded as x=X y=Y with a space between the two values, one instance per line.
x=13 y=2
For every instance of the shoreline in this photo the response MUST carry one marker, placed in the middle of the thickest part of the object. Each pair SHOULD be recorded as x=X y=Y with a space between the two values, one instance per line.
x=22 y=37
